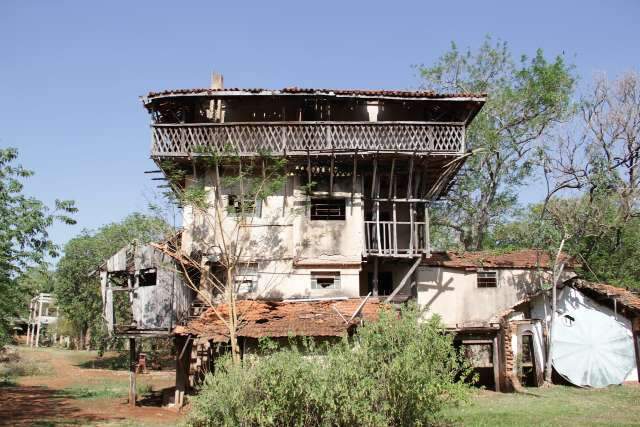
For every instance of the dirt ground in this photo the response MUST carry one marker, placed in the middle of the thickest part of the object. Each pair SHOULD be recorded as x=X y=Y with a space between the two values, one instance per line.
x=70 y=394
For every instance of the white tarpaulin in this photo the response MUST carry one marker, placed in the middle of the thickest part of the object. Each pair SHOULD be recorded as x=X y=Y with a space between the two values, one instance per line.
x=592 y=349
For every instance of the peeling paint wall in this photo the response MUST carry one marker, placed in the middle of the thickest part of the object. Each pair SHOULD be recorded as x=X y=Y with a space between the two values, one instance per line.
x=284 y=237
x=455 y=296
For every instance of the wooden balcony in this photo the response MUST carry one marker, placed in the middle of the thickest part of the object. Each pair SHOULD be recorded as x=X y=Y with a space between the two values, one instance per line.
x=298 y=138
x=396 y=239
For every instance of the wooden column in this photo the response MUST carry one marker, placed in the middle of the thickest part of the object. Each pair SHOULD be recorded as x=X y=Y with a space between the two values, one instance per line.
x=427 y=236
x=132 y=372
x=496 y=363
x=183 y=360
x=375 y=276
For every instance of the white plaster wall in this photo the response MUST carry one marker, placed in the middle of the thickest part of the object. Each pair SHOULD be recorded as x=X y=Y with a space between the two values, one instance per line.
x=454 y=295
x=283 y=237
x=279 y=279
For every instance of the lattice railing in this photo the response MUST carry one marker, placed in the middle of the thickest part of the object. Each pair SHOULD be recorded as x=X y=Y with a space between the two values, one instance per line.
x=300 y=137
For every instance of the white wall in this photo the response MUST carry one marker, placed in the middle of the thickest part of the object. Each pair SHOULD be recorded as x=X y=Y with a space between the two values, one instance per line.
x=284 y=241
x=455 y=296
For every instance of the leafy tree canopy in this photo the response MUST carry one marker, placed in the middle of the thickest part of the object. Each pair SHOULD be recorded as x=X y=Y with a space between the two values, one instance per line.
x=24 y=237
x=526 y=97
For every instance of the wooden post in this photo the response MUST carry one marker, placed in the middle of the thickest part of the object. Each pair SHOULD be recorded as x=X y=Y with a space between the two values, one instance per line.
x=375 y=276
x=333 y=158
x=395 y=230
x=132 y=372
x=496 y=363
x=411 y=225
x=391 y=177
x=183 y=359
x=427 y=237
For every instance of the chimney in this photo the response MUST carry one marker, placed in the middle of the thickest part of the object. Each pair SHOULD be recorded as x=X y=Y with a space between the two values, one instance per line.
x=217 y=81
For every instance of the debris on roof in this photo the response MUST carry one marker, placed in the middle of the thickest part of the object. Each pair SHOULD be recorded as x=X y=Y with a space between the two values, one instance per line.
x=315 y=91
x=524 y=259
x=261 y=318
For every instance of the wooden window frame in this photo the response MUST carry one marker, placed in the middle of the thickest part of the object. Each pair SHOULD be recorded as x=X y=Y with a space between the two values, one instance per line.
x=484 y=279
x=324 y=277
x=334 y=209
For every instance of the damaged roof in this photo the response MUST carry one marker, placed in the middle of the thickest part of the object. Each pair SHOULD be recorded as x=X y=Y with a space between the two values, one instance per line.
x=624 y=297
x=261 y=318
x=373 y=93
x=522 y=259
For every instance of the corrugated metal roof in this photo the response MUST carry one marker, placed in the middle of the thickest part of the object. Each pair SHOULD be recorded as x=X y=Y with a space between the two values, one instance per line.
x=315 y=91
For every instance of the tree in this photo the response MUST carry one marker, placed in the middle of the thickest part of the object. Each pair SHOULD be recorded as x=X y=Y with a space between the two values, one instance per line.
x=77 y=292
x=24 y=237
x=525 y=100
x=222 y=236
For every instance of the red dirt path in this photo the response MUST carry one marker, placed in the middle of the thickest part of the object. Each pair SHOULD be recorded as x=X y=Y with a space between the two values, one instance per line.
x=38 y=399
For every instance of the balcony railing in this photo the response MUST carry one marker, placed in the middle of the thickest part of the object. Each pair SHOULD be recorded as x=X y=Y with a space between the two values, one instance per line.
x=395 y=239
x=184 y=140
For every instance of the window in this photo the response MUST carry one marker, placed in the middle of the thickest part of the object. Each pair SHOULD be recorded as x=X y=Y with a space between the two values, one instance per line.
x=250 y=207
x=325 y=280
x=487 y=279
x=328 y=209
x=246 y=279
x=147 y=277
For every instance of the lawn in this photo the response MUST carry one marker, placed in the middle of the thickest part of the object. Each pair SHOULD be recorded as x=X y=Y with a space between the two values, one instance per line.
x=555 y=406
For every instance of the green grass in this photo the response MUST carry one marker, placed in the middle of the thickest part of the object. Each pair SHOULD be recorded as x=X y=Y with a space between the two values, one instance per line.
x=105 y=390
x=15 y=364
x=555 y=406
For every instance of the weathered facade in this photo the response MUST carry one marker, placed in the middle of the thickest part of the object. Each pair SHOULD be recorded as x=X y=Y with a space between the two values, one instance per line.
x=362 y=168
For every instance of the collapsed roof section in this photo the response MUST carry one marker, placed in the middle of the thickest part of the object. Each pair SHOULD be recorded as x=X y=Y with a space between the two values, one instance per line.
x=277 y=319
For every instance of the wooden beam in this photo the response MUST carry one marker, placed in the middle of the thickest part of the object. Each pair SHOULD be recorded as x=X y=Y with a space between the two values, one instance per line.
x=333 y=158
x=391 y=178
x=374 y=177
x=410 y=179
x=427 y=232
x=404 y=279
x=309 y=188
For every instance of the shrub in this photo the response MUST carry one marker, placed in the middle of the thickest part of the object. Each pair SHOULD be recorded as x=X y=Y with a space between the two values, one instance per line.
x=396 y=371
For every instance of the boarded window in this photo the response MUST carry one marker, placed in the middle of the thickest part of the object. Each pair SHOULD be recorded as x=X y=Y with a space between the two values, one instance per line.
x=250 y=207
x=325 y=280
x=147 y=277
x=487 y=279
x=328 y=209
x=246 y=278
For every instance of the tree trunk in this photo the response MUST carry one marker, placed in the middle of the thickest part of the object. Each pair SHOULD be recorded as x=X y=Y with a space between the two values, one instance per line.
x=233 y=318
x=557 y=272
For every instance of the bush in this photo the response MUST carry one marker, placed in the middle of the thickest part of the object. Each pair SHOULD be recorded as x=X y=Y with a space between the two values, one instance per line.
x=396 y=371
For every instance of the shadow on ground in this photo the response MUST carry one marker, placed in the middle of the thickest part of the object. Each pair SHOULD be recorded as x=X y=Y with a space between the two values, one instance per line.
x=40 y=406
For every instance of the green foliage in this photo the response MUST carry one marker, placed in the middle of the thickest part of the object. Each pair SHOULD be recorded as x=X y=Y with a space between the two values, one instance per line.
x=396 y=371
x=525 y=99
x=608 y=250
x=24 y=239
x=77 y=292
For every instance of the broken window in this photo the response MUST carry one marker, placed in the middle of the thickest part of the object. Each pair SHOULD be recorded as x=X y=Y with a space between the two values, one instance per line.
x=147 y=277
x=325 y=280
x=250 y=207
x=487 y=279
x=328 y=209
x=246 y=278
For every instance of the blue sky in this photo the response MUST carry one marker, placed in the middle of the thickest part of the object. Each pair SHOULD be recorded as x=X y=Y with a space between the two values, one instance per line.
x=71 y=72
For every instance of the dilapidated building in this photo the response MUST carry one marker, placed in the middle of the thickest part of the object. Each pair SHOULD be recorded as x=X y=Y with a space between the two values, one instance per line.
x=347 y=231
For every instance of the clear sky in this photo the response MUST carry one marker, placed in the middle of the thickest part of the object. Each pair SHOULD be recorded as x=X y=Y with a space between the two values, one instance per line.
x=71 y=72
